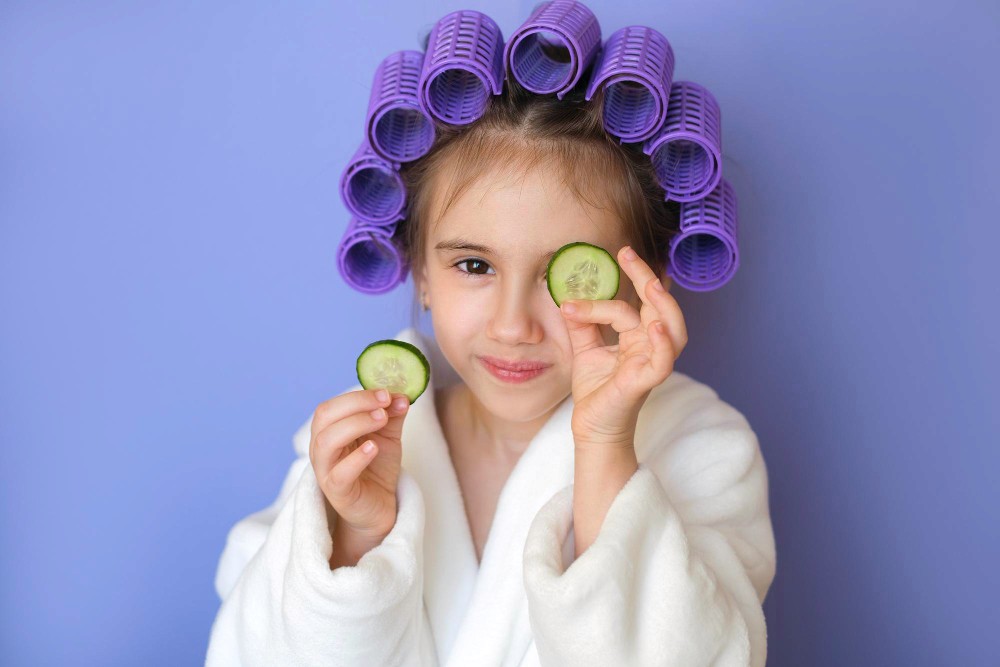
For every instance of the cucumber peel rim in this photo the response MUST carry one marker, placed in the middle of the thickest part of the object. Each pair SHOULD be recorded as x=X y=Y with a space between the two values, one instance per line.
x=557 y=253
x=406 y=346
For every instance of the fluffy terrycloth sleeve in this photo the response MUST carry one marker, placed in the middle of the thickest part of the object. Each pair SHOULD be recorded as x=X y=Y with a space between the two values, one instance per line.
x=283 y=605
x=680 y=567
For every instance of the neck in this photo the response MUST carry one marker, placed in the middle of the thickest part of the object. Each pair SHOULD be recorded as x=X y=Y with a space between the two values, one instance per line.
x=486 y=433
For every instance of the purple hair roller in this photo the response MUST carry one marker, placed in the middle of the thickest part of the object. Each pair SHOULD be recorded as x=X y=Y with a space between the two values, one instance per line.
x=635 y=67
x=396 y=125
x=368 y=259
x=705 y=255
x=565 y=27
x=687 y=151
x=372 y=188
x=463 y=67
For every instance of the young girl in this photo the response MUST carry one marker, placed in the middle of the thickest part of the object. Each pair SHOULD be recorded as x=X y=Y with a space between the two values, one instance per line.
x=599 y=509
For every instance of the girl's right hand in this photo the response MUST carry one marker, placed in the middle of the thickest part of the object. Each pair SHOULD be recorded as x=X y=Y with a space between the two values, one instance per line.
x=360 y=486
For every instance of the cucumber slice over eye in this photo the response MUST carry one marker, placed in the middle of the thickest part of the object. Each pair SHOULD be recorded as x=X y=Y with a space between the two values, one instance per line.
x=582 y=271
x=395 y=365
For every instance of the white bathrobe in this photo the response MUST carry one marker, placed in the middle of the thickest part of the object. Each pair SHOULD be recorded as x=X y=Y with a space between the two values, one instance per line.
x=676 y=575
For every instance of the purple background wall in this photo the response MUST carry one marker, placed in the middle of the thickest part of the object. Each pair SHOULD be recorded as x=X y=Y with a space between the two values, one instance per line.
x=172 y=313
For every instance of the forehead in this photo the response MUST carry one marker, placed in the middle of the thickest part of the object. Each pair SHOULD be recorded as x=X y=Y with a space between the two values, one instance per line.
x=521 y=213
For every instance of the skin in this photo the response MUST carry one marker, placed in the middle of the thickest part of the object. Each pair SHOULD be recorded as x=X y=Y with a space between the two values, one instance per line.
x=499 y=304
x=608 y=355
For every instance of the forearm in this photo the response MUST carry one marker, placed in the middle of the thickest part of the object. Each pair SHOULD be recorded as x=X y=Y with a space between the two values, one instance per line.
x=348 y=545
x=600 y=472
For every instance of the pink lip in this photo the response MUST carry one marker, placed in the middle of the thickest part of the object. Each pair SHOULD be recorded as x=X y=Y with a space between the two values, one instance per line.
x=528 y=370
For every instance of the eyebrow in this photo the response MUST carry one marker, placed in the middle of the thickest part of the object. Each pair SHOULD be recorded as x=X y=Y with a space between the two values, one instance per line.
x=464 y=244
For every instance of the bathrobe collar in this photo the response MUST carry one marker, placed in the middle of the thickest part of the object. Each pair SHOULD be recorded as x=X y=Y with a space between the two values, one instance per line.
x=478 y=612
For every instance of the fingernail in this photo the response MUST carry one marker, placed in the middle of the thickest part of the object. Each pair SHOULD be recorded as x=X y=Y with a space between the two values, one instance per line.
x=377 y=414
x=368 y=447
x=658 y=286
x=381 y=394
x=569 y=308
x=629 y=253
x=399 y=403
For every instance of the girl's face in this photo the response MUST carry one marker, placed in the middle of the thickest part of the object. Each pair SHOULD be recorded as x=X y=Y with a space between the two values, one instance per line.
x=485 y=279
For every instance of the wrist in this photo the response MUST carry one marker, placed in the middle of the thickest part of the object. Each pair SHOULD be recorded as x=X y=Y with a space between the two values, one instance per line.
x=606 y=445
x=349 y=545
x=618 y=434
x=604 y=461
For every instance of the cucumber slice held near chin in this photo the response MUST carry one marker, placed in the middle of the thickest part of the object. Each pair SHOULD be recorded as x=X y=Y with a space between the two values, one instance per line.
x=582 y=271
x=395 y=365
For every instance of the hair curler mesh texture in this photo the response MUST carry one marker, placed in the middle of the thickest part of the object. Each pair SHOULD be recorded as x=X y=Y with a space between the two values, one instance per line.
x=465 y=62
x=636 y=67
x=705 y=255
x=463 y=67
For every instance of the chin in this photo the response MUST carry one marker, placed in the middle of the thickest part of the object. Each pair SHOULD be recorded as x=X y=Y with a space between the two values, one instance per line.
x=520 y=401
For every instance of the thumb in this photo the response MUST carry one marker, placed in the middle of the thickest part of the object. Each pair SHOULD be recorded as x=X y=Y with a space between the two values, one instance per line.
x=583 y=335
x=393 y=428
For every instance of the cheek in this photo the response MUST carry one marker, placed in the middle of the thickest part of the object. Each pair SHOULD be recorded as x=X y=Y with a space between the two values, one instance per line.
x=453 y=308
x=455 y=324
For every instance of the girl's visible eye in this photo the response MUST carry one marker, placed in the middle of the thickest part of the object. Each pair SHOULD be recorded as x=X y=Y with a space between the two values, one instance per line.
x=472 y=261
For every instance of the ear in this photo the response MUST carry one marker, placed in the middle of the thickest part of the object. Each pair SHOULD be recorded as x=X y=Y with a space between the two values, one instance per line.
x=420 y=280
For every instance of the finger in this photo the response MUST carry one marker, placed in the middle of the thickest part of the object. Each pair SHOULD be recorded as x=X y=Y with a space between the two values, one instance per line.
x=661 y=304
x=583 y=335
x=344 y=405
x=647 y=368
x=342 y=481
x=669 y=312
x=638 y=272
x=664 y=352
x=398 y=410
x=619 y=314
x=327 y=446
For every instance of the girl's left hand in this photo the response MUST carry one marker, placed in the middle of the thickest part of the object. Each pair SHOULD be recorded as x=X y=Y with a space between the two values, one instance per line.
x=611 y=382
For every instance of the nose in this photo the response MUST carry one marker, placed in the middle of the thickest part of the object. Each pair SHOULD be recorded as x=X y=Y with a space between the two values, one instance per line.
x=514 y=319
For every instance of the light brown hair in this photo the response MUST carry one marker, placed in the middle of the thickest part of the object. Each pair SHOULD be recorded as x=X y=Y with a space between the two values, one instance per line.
x=520 y=128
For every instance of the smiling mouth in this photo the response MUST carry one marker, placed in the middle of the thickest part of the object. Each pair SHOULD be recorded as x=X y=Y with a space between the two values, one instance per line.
x=514 y=366
x=507 y=375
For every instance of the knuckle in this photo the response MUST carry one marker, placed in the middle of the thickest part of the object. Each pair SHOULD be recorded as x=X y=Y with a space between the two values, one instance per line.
x=321 y=439
x=353 y=494
x=346 y=491
x=337 y=479
x=320 y=413
x=315 y=445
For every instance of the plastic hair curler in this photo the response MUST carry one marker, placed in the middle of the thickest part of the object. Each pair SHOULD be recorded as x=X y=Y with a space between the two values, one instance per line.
x=463 y=67
x=397 y=127
x=372 y=188
x=552 y=49
x=368 y=259
x=635 y=67
x=465 y=62
x=705 y=255
x=687 y=151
